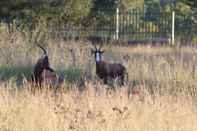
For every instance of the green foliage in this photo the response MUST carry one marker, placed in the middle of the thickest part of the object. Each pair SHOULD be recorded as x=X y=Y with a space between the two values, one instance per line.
x=71 y=74
x=133 y=4
x=152 y=6
x=32 y=15
x=18 y=72
x=29 y=13
x=75 y=11
x=186 y=11
x=101 y=12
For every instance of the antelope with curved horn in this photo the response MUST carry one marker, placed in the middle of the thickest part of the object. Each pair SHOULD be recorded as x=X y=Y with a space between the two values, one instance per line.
x=44 y=74
x=106 y=70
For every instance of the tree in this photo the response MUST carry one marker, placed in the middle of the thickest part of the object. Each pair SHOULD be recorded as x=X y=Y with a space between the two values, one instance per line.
x=133 y=4
x=101 y=12
x=28 y=11
x=186 y=18
x=75 y=11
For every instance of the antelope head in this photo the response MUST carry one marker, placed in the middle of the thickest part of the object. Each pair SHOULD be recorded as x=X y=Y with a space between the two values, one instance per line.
x=97 y=53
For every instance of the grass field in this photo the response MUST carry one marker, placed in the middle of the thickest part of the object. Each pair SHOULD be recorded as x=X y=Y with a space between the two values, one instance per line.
x=165 y=77
x=93 y=110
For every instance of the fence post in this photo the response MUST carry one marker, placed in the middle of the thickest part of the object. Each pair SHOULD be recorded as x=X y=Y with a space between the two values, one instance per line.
x=117 y=23
x=173 y=26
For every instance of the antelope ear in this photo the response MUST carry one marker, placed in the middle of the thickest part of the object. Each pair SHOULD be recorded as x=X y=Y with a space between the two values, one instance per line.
x=102 y=51
x=100 y=47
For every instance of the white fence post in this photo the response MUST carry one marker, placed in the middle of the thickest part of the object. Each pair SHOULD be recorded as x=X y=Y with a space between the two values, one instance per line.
x=173 y=27
x=117 y=24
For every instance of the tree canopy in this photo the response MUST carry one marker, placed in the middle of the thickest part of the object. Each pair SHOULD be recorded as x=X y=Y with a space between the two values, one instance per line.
x=28 y=13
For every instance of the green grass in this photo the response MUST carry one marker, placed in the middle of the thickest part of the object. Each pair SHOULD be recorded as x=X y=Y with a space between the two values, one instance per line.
x=71 y=75
x=8 y=72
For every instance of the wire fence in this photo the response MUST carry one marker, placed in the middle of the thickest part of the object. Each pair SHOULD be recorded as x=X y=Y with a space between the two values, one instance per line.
x=133 y=27
x=136 y=26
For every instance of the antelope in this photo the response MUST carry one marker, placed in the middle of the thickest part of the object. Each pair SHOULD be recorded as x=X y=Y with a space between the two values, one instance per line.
x=41 y=65
x=51 y=79
x=106 y=70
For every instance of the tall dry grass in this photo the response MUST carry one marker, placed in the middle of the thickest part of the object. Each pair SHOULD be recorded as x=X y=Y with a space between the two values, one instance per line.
x=95 y=110
x=166 y=77
x=144 y=62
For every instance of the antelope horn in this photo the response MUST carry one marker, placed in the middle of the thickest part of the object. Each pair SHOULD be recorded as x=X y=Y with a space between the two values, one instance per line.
x=45 y=52
x=101 y=45
x=93 y=44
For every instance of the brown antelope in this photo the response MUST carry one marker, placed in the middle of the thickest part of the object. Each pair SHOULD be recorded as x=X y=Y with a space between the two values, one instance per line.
x=41 y=65
x=106 y=70
x=51 y=79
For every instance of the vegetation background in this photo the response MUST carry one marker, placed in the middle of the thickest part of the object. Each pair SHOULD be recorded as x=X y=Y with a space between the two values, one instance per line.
x=29 y=14
x=163 y=76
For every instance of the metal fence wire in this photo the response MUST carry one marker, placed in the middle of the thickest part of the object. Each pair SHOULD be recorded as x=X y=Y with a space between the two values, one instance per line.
x=135 y=26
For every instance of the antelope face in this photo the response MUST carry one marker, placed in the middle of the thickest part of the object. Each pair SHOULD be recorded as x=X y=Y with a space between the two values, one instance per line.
x=97 y=54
